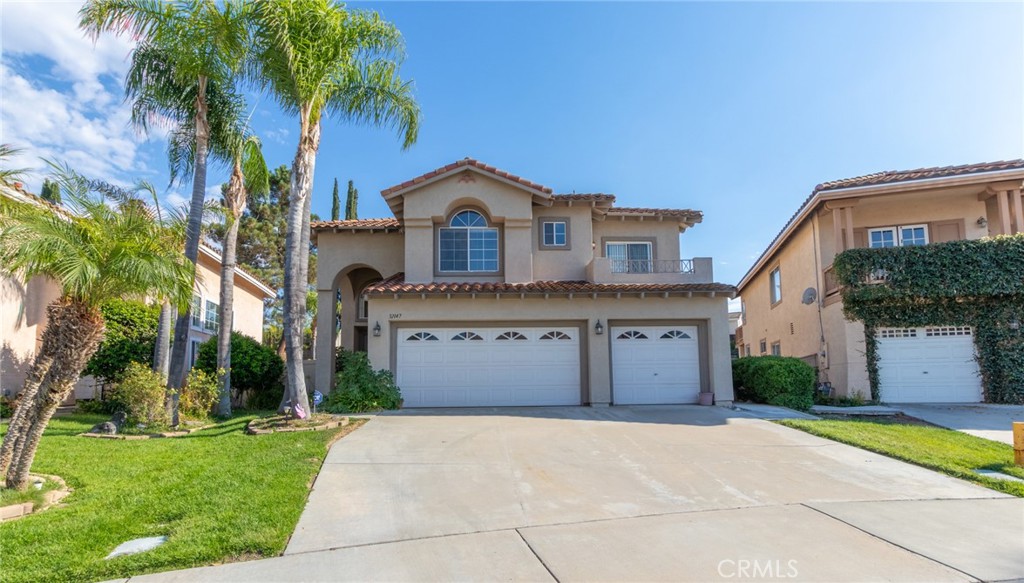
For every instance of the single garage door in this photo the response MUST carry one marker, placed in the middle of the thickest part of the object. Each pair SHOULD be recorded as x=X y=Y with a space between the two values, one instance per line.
x=655 y=365
x=483 y=367
x=928 y=365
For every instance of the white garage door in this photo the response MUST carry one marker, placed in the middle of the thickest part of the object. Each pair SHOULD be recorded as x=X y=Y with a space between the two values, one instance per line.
x=928 y=365
x=484 y=367
x=655 y=365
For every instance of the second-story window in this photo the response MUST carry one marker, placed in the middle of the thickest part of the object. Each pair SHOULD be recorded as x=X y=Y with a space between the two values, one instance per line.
x=903 y=236
x=468 y=244
x=775 y=283
x=197 y=312
x=210 y=322
x=629 y=257
x=554 y=233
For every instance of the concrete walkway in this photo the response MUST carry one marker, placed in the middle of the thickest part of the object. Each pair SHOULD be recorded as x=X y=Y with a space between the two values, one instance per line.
x=985 y=420
x=629 y=494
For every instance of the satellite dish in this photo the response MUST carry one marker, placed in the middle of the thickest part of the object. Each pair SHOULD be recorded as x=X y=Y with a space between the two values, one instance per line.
x=810 y=294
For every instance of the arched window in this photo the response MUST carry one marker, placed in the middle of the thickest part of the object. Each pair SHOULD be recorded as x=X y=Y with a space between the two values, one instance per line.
x=468 y=244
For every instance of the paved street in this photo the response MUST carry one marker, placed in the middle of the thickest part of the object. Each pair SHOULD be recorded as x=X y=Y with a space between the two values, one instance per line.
x=629 y=493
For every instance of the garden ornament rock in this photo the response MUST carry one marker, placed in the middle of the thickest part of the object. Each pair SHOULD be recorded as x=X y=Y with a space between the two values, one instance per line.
x=113 y=426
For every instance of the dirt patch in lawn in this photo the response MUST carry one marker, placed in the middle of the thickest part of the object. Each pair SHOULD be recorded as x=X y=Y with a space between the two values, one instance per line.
x=284 y=424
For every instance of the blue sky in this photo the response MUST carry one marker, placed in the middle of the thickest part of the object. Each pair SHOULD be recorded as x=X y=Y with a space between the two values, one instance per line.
x=734 y=109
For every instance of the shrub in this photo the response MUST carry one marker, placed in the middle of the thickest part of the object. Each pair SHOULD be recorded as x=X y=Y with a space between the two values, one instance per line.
x=199 y=394
x=256 y=370
x=359 y=388
x=140 y=394
x=775 y=380
x=130 y=337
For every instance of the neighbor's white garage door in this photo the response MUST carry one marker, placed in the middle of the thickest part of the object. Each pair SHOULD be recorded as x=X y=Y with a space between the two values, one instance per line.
x=483 y=367
x=922 y=365
x=655 y=365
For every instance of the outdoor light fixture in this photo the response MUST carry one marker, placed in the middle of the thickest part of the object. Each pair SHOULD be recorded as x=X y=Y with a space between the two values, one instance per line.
x=598 y=328
x=982 y=222
x=376 y=329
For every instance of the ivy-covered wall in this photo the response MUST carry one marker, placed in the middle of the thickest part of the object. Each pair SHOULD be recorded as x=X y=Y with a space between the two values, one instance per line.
x=960 y=283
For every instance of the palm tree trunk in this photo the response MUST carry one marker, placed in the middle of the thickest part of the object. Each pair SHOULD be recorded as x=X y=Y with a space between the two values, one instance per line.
x=161 y=352
x=75 y=332
x=296 y=262
x=20 y=423
x=193 y=231
x=226 y=314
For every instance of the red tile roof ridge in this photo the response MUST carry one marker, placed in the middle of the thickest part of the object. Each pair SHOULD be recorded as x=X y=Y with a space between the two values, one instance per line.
x=397 y=284
x=381 y=223
x=466 y=162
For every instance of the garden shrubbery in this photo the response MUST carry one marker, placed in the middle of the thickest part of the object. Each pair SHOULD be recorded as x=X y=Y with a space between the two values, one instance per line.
x=130 y=337
x=140 y=394
x=775 y=380
x=199 y=395
x=359 y=388
x=256 y=370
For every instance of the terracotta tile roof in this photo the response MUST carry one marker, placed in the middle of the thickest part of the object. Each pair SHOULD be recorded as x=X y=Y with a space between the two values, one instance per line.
x=696 y=216
x=598 y=197
x=886 y=177
x=396 y=284
x=387 y=223
x=464 y=163
x=890 y=176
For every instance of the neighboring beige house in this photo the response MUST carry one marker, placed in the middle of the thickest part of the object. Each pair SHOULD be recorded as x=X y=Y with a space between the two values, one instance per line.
x=792 y=306
x=23 y=313
x=486 y=289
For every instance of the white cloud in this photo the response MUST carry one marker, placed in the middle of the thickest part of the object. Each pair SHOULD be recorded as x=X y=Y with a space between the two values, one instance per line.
x=61 y=96
x=279 y=135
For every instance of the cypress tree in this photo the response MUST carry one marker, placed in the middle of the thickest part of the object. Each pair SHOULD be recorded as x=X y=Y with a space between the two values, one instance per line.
x=50 y=191
x=352 y=202
x=336 y=204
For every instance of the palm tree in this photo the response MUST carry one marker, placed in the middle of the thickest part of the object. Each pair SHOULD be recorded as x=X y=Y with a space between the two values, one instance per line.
x=316 y=58
x=8 y=176
x=107 y=244
x=231 y=142
x=182 y=43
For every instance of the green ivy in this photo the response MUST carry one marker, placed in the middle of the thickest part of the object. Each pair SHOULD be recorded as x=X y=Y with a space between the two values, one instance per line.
x=976 y=283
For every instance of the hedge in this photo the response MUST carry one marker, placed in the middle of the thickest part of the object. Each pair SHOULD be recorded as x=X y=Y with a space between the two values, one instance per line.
x=977 y=283
x=256 y=370
x=776 y=380
x=130 y=337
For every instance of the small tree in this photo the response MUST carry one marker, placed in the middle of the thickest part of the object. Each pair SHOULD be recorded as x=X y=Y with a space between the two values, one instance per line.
x=50 y=191
x=336 y=203
x=351 y=202
x=131 y=335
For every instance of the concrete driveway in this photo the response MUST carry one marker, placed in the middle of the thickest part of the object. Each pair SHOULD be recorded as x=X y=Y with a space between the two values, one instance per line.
x=629 y=494
x=985 y=420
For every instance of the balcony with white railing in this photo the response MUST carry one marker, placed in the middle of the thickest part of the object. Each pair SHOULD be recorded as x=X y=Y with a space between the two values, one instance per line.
x=606 y=270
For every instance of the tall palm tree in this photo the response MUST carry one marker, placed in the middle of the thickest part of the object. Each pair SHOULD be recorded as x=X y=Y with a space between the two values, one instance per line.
x=197 y=41
x=107 y=244
x=230 y=142
x=316 y=59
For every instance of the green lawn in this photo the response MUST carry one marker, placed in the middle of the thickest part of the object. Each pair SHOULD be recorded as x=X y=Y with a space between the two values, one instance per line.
x=218 y=494
x=947 y=451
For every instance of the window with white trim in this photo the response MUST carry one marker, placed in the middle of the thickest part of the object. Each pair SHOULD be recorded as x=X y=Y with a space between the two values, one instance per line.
x=468 y=244
x=776 y=349
x=197 y=312
x=554 y=233
x=898 y=236
x=210 y=322
x=629 y=257
x=775 y=285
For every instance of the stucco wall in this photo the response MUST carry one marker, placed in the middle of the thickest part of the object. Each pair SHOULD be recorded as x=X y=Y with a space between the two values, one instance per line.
x=790 y=322
x=665 y=235
x=22 y=321
x=248 y=301
x=567 y=263
x=598 y=352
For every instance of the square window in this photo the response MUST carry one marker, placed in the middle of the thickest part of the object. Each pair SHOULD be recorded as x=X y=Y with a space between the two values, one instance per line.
x=554 y=234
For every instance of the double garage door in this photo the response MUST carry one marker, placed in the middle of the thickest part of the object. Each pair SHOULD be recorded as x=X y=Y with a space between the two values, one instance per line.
x=928 y=365
x=476 y=366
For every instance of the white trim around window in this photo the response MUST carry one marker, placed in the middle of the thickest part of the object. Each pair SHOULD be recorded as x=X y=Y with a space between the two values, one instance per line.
x=898 y=236
x=555 y=233
x=630 y=256
x=775 y=285
x=468 y=245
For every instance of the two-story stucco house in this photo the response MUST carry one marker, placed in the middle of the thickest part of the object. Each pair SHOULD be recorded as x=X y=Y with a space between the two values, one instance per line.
x=485 y=289
x=23 y=312
x=792 y=305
